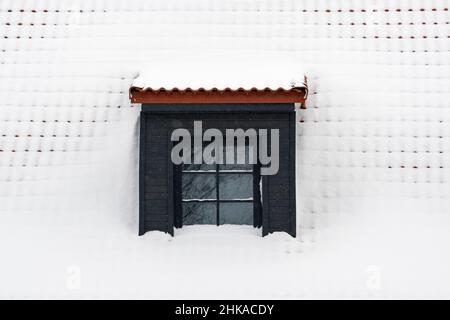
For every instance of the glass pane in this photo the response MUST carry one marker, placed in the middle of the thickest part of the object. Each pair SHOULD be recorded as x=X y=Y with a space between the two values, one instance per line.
x=198 y=186
x=199 y=167
x=199 y=213
x=235 y=186
x=244 y=159
x=236 y=167
x=236 y=213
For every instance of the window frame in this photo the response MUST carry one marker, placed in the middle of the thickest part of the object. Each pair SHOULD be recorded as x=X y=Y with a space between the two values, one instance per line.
x=257 y=195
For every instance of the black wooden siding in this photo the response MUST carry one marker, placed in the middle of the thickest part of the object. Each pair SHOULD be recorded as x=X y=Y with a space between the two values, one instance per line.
x=156 y=169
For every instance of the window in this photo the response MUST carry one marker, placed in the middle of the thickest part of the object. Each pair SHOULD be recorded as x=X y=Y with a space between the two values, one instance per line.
x=217 y=194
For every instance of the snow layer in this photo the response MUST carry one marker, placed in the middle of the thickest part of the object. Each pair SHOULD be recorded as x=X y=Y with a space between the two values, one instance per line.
x=373 y=149
x=222 y=71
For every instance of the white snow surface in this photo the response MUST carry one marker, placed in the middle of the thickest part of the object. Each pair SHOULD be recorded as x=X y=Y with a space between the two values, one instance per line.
x=222 y=71
x=373 y=175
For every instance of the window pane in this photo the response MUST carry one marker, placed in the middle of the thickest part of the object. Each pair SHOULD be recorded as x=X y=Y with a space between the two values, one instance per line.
x=199 y=167
x=199 y=213
x=244 y=158
x=198 y=186
x=236 y=167
x=235 y=186
x=236 y=213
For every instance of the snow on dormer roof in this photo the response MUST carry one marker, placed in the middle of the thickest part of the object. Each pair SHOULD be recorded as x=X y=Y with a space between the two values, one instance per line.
x=220 y=72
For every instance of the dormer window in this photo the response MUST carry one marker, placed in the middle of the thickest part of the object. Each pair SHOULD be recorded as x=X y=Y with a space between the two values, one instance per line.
x=186 y=177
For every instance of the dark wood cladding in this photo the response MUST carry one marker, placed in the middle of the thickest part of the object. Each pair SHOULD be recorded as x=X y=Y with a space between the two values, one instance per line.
x=201 y=96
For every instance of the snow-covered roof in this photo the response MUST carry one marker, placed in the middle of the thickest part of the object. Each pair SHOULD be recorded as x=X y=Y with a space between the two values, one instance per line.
x=232 y=72
x=375 y=138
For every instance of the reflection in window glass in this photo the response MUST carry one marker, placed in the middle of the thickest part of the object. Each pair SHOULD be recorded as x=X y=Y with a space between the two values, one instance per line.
x=198 y=186
x=244 y=159
x=236 y=213
x=235 y=186
x=199 y=167
x=199 y=213
x=236 y=167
